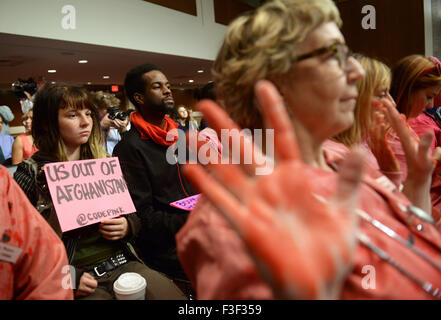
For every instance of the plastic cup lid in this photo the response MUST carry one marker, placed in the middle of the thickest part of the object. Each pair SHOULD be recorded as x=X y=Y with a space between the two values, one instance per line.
x=129 y=282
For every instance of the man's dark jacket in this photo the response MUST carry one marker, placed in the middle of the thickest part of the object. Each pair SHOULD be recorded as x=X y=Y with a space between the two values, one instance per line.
x=153 y=184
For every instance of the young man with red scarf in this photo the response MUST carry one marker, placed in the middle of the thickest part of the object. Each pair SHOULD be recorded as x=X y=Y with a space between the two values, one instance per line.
x=153 y=182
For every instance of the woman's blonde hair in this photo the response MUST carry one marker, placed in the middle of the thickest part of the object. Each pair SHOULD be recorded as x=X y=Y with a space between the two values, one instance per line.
x=377 y=74
x=263 y=44
x=45 y=130
x=408 y=76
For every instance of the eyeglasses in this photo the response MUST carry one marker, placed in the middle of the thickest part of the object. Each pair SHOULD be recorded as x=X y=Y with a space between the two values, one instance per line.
x=337 y=50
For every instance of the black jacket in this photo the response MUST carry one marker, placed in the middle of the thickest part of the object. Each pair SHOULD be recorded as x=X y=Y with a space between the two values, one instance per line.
x=34 y=184
x=153 y=184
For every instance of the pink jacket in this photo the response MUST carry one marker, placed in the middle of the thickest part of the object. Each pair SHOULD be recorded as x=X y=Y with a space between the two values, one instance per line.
x=421 y=124
x=424 y=123
x=339 y=150
x=37 y=272
x=219 y=267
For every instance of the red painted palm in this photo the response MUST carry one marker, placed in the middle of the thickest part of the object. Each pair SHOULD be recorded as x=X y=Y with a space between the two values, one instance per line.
x=302 y=246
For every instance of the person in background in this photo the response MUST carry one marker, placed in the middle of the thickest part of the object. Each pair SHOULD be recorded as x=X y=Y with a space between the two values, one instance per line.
x=290 y=233
x=6 y=116
x=6 y=142
x=112 y=128
x=416 y=82
x=37 y=269
x=183 y=116
x=370 y=129
x=153 y=174
x=66 y=128
x=23 y=146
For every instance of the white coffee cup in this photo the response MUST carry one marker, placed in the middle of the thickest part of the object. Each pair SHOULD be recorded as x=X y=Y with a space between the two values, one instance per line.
x=130 y=286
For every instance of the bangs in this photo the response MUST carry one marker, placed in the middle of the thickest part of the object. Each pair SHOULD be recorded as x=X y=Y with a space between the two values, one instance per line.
x=77 y=99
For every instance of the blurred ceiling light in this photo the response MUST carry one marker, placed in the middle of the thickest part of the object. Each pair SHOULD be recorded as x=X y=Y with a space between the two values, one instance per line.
x=83 y=61
x=52 y=71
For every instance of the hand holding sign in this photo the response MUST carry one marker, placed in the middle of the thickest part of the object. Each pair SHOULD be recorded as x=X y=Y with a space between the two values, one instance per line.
x=114 y=229
x=89 y=191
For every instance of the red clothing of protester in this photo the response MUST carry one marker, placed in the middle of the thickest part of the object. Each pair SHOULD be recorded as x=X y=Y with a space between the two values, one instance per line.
x=421 y=124
x=219 y=267
x=424 y=123
x=395 y=144
x=38 y=271
x=339 y=150
x=28 y=148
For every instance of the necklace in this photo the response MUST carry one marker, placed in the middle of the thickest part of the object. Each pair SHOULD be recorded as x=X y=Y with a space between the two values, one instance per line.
x=426 y=286
x=392 y=234
x=364 y=239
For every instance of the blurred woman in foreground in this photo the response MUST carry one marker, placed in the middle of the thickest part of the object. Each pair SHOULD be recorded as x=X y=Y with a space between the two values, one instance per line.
x=293 y=233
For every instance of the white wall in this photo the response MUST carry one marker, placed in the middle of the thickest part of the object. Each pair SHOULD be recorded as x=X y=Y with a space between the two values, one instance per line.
x=130 y=24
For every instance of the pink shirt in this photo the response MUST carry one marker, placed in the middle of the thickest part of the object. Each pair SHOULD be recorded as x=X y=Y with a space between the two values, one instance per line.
x=28 y=148
x=219 y=267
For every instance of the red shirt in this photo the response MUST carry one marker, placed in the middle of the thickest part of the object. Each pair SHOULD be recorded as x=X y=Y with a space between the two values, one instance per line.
x=219 y=267
x=40 y=269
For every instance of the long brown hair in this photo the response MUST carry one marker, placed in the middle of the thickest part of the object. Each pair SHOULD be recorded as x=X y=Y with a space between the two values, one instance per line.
x=408 y=76
x=45 y=130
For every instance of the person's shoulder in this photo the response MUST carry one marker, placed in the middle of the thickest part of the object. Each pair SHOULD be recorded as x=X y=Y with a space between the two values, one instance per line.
x=4 y=175
x=421 y=119
x=129 y=140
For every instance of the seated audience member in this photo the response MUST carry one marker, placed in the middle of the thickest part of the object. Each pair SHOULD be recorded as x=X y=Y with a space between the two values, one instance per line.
x=37 y=267
x=416 y=81
x=23 y=146
x=114 y=123
x=375 y=134
x=183 y=116
x=297 y=225
x=370 y=127
x=66 y=128
x=154 y=180
x=6 y=142
x=6 y=116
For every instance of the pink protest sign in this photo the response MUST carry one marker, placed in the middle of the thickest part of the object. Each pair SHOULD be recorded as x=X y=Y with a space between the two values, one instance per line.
x=186 y=203
x=87 y=191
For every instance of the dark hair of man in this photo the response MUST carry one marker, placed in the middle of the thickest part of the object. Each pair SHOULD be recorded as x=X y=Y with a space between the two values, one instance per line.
x=134 y=81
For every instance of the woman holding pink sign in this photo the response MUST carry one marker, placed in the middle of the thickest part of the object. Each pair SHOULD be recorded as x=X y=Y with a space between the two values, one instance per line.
x=65 y=128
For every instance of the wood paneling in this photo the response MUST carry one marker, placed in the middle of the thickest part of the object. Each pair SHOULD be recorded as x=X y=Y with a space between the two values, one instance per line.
x=399 y=28
x=436 y=27
x=227 y=10
x=7 y=98
x=185 y=97
x=185 y=6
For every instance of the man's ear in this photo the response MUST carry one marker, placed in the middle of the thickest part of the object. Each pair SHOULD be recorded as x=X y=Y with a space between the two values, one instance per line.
x=139 y=98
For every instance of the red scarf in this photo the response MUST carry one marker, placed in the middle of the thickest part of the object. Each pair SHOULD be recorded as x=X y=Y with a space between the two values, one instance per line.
x=150 y=131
